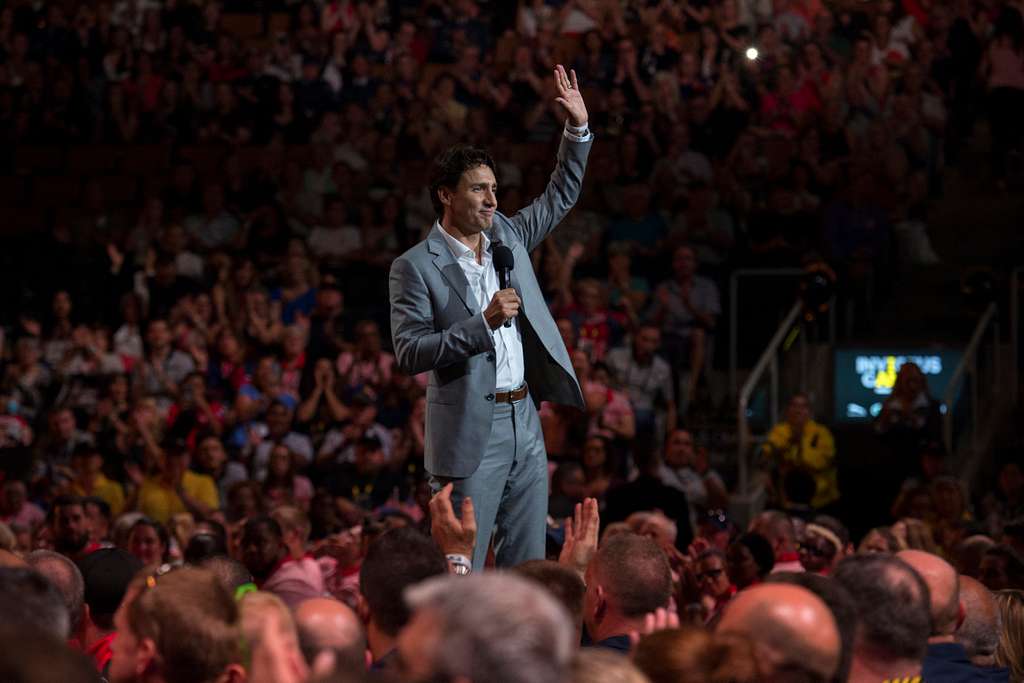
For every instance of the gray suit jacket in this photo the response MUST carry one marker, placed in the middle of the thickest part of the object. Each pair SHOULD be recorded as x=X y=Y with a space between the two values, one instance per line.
x=437 y=327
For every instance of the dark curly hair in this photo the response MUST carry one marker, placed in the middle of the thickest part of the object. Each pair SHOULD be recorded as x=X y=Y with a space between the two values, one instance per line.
x=449 y=167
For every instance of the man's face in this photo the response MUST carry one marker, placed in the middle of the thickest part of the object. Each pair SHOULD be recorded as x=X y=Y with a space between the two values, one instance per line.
x=64 y=422
x=71 y=528
x=211 y=454
x=99 y=527
x=261 y=550
x=712 y=577
x=679 y=452
x=368 y=337
x=647 y=342
x=417 y=644
x=158 y=335
x=817 y=554
x=798 y=412
x=278 y=420
x=684 y=262
x=742 y=569
x=470 y=206
x=14 y=496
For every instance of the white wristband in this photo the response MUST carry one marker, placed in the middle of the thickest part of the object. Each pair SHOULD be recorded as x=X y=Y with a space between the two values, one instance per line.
x=459 y=564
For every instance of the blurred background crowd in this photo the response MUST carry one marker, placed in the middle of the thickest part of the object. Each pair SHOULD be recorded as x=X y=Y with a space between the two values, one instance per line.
x=202 y=200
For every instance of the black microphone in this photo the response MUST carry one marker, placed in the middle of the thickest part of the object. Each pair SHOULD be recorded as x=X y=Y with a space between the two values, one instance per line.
x=504 y=262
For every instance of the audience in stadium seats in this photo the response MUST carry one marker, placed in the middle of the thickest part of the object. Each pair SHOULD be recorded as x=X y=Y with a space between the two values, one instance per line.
x=201 y=201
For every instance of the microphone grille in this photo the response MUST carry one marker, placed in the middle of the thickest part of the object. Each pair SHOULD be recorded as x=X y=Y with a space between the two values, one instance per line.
x=503 y=257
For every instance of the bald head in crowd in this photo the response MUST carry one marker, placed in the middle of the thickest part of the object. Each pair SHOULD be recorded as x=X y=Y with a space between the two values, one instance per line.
x=793 y=628
x=979 y=632
x=943 y=588
x=777 y=527
x=329 y=624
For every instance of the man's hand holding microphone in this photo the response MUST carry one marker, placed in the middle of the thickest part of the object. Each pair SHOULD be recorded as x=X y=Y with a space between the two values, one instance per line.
x=503 y=307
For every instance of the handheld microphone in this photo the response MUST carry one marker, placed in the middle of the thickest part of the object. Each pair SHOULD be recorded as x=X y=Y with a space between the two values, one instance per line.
x=503 y=264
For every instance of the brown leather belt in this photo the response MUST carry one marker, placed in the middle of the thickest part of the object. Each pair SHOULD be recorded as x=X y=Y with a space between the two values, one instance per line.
x=512 y=396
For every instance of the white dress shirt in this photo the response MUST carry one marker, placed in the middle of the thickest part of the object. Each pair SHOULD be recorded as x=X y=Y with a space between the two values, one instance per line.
x=483 y=285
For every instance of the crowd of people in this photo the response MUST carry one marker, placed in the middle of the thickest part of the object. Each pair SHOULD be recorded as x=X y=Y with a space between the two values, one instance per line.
x=213 y=467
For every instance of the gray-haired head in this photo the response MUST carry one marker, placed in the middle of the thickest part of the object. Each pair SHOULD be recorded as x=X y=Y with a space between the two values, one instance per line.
x=497 y=627
x=64 y=574
x=30 y=599
x=982 y=624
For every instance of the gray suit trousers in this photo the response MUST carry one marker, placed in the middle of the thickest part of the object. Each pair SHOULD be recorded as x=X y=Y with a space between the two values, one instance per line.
x=510 y=488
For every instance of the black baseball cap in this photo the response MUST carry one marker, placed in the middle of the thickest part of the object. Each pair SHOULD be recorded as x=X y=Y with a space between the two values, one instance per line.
x=107 y=573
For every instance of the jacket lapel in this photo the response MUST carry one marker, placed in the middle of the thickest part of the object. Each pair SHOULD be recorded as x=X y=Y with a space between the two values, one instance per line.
x=450 y=270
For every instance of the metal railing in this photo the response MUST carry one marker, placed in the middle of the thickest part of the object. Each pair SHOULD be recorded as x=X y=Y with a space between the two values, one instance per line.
x=769 y=362
x=968 y=369
x=734 y=316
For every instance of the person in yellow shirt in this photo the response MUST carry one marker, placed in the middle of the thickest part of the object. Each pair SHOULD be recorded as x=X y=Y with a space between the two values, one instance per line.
x=798 y=448
x=177 y=489
x=87 y=466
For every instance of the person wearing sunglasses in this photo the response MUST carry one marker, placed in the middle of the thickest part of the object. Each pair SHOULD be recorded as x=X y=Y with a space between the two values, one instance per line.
x=819 y=549
x=716 y=589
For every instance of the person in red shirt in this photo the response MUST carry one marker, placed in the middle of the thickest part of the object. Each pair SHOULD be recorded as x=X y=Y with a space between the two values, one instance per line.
x=107 y=573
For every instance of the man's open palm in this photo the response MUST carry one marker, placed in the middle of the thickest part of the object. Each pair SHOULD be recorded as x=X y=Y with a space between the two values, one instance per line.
x=570 y=97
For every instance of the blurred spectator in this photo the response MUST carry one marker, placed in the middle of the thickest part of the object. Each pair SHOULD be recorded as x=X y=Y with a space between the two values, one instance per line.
x=184 y=627
x=31 y=600
x=687 y=309
x=107 y=574
x=1011 y=646
x=799 y=445
x=397 y=560
x=778 y=529
x=647 y=379
x=749 y=559
x=893 y=613
x=808 y=646
x=628 y=579
x=979 y=631
x=507 y=627
x=266 y=556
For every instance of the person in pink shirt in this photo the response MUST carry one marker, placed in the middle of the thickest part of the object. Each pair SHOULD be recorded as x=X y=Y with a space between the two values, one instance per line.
x=366 y=365
x=267 y=558
x=15 y=507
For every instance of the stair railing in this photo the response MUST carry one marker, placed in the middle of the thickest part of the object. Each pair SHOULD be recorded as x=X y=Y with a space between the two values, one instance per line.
x=968 y=370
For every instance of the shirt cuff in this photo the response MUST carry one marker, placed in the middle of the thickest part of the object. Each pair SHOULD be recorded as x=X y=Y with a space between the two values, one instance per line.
x=578 y=133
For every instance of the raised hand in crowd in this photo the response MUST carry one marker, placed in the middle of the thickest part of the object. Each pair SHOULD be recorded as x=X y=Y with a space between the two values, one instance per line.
x=455 y=535
x=582 y=532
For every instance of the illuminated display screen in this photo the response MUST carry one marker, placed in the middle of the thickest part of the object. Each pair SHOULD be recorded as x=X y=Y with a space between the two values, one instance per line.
x=864 y=377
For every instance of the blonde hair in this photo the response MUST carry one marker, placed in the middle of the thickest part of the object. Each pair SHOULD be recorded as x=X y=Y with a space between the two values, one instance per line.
x=592 y=665
x=1010 y=651
x=259 y=606
x=693 y=655
x=192 y=620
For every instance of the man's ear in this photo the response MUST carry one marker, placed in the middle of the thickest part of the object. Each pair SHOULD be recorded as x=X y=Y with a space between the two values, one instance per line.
x=146 y=657
x=363 y=609
x=961 y=614
x=601 y=603
x=445 y=195
x=86 y=617
x=235 y=673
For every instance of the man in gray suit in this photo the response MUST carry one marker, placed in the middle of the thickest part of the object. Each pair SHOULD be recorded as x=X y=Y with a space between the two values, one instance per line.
x=448 y=318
